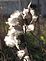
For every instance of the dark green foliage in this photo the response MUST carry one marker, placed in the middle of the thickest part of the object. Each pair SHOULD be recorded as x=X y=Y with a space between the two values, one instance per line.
x=35 y=48
x=3 y=27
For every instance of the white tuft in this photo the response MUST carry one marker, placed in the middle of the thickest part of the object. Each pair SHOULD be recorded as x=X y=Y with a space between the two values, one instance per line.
x=30 y=28
x=26 y=58
x=20 y=53
x=15 y=14
x=10 y=39
x=25 y=11
x=35 y=17
x=29 y=5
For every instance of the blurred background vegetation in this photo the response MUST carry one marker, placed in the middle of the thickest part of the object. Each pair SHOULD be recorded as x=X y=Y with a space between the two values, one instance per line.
x=35 y=41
